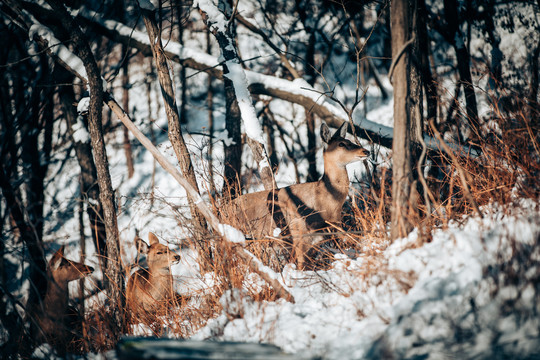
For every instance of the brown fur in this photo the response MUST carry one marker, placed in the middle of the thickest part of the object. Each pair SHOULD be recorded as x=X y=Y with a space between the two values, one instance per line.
x=150 y=291
x=53 y=316
x=302 y=208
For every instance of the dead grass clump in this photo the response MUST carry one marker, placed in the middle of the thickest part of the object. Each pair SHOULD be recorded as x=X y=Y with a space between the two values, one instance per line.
x=509 y=167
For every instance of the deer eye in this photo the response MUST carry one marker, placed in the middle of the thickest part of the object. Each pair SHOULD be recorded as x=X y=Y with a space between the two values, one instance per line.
x=342 y=144
x=160 y=252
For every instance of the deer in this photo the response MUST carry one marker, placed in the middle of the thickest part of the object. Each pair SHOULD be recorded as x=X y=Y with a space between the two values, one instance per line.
x=56 y=320
x=302 y=208
x=150 y=291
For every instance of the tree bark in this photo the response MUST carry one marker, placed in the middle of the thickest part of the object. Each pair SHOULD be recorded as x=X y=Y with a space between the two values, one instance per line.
x=309 y=74
x=233 y=148
x=430 y=87
x=114 y=276
x=182 y=75
x=313 y=174
x=26 y=120
x=125 y=103
x=406 y=112
x=210 y=104
x=175 y=132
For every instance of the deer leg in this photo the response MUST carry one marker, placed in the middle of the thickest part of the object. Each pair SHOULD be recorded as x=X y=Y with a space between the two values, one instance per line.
x=298 y=228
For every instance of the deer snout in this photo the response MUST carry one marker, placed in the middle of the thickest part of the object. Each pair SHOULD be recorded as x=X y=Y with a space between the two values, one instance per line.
x=367 y=153
x=88 y=270
x=176 y=258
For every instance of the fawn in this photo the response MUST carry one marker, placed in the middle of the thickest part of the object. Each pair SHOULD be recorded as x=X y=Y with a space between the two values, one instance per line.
x=150 y=291
x=57 y=321
x=302 y=208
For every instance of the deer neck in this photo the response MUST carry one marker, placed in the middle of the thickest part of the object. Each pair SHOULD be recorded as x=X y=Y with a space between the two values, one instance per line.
x=56 y=298
x=161 y=282
x=336 y=180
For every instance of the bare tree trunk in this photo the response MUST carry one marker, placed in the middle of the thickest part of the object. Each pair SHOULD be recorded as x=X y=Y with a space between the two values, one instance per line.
x=463 y=61
x=406 y=112
x=233 y=124
x=82 y=245
x=125 y=104
x=233 y=150
x=182 y=75
x=113 y=277
x=533 y=91
x=23 y=96
x=26 y=120
x=309 y=74
x=22 y=182
x=313 y=174
x=175 y=132
x=430 y=86
x=151 y=119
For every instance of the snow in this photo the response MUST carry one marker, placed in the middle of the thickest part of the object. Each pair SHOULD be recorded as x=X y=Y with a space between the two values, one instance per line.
x=251 y=122
x=83 y=105
x=232 y=234
x=58 y=48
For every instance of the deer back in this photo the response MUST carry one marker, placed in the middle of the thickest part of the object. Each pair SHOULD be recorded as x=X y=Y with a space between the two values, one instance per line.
x=149 y=290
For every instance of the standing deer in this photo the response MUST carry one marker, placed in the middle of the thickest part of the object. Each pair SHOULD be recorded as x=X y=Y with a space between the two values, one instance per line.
x=53 y=316
x=150 y=291
x=302 y=208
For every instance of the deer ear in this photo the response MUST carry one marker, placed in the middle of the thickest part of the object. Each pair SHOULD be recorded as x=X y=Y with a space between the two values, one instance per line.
x=325 y=132
x=141 y=245
x=153 y=239
x=56 y=260
x=342 y=131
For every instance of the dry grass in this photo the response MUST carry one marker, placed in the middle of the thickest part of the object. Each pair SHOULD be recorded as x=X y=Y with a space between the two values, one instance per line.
x=507 y=170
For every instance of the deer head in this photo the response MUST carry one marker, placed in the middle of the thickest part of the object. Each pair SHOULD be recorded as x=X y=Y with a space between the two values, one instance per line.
x=158 y=256
x=62 y=270
x=339 y=150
